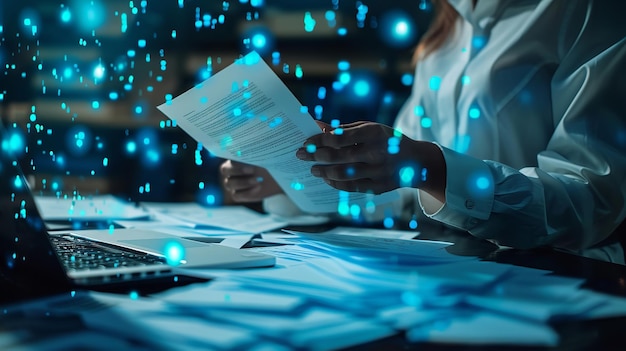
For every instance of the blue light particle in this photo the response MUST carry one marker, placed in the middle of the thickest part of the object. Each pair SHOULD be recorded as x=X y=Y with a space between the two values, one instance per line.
x=407 y=79
x=344 y=78
x=259 y=40
x=413 y=224
x=388 y=222
x=141 y=43
x=298 y=72
x=321 y=93
x=95 y=105
x=343 y=65
x=66 y=15
x=474 y=113
x=342 y=31
x=131 y=147
x=309 y=22
x=434 y=83
x=311 y=148
x=343 y=208
x=406 y=176
x=478 y=42
x=419 y=111
x=133 y=295
x=355 y=210
x=482 y=183
x=297 y=186
x=362 y=88
x=426 y=122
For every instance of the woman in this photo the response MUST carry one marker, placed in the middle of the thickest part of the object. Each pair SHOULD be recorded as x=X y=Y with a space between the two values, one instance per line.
x=517 y=118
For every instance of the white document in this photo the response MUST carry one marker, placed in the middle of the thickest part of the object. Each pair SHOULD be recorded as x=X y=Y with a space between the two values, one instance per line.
x=88 y=208
x=246 y=113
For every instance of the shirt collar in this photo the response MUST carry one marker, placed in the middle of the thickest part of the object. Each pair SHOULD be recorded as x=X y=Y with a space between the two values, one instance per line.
x=482 y=15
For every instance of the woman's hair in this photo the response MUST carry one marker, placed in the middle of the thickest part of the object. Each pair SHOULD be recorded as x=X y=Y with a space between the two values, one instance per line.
x=439 y=30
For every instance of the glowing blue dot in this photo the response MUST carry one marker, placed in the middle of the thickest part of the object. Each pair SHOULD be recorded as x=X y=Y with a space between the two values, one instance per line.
x=297 y=186
x=105 y=161
x=330 y=15
x=474 y=112
x=406 y=176
x=338 y=131
x=113 y=95
x=133 y=295
x=259 y=41
x=98 y=72
x=95 y=105
x=210 y=199
x=343 y=65
x=131 y=146
x=335 y=123
x=309 y=22
x=138 y=110
x=355 y=210
x=141 y=43
x=311 y=148
x=407 y=79
x=343 y=208
x=18 y=182
x=342 y=31
x=66 y=16
x=344 y=78
x=465 y=80
x=388 y=222
x=68 y=72
x=413 y=224
x=434 y=82
x=361 y=88
x=131 y=53
x=419 y=111
x=482 y=183
x=479 y=42
x=401 y=29
x=321 y=93
x=426 y=122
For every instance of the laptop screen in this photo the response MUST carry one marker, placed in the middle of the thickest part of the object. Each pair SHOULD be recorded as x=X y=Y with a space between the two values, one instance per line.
x=29 y=267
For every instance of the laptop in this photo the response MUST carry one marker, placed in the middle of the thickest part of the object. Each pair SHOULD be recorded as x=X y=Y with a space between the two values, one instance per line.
x=35 y=262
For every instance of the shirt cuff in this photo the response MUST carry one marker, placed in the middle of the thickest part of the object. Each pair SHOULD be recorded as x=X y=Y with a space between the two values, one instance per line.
x=469 y=192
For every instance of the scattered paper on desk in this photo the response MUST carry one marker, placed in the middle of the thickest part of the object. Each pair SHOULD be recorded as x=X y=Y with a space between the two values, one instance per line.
x=87 y=208
x=236 y=218
x=246 y=113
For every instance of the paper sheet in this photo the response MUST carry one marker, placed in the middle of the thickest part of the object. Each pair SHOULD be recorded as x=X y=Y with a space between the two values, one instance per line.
x=246 y=113
x=90 y=208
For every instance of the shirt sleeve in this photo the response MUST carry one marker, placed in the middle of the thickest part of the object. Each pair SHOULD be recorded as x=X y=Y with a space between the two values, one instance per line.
x=575 y=197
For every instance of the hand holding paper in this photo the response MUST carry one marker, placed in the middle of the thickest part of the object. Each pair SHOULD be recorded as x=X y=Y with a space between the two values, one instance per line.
x=246 y=113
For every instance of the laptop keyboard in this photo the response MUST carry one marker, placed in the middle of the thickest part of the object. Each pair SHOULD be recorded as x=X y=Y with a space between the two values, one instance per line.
x=79 y=255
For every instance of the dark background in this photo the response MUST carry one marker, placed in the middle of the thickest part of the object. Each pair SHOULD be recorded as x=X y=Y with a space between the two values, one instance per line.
x=84 y=133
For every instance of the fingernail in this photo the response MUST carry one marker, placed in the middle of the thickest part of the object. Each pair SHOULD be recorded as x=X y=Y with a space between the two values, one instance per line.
x=315 y=171
x=303 y=154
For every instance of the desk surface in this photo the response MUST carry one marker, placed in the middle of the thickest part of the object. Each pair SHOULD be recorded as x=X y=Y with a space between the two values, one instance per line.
x=600 y=276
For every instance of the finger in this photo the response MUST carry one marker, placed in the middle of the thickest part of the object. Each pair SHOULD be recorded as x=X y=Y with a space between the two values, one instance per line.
x=373 y=153
x=233 y=168
x=349 y=136
x=361 y=186
x=325 y=127
x=353 y=171
x=253 y=194
x=241 y=183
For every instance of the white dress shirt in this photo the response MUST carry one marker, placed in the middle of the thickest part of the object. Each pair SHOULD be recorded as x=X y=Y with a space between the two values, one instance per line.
x=527 y=100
